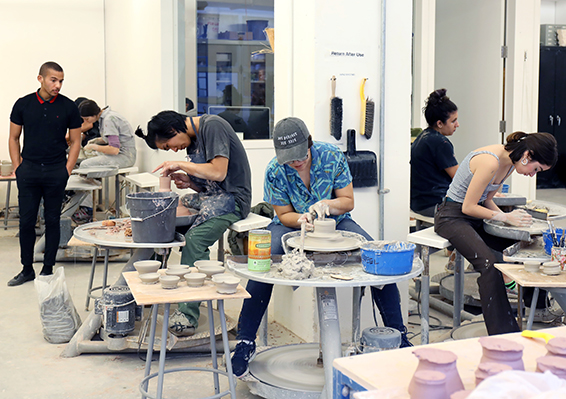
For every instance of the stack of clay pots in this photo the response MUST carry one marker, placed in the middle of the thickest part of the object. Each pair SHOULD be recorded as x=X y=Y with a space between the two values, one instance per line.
x=436 y=375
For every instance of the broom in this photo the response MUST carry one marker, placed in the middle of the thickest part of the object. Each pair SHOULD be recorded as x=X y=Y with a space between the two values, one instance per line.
x=368 y=111
x=335 y=112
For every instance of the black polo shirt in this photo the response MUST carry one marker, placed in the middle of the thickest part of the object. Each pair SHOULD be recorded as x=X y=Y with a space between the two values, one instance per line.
x=45 y=124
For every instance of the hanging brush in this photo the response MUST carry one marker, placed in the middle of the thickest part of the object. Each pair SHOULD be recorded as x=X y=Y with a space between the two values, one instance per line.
x=335 y=112
x=368 y=111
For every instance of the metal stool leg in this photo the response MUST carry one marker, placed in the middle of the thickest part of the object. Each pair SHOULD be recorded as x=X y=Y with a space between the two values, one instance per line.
x=105 y=272
x=231 y=381
x=163 y=351
x=425 y=288
x=458 y=289
x=91 y=279
x=533 y=309
x=154 y=310
x=213 y=347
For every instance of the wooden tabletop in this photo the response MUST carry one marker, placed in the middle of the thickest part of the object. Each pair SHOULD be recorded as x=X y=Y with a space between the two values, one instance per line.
x=528 y=279
x=151 y=294
x=393 y=369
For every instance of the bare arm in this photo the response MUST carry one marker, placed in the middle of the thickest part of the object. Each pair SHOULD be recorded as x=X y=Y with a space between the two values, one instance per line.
x=451 y=171
x=484 y=167
x=105 y=149
x=14 y=145
x=75 y=147
x=215 y=169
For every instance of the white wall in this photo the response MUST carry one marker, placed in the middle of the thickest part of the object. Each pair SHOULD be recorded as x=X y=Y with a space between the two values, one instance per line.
x=68 y=32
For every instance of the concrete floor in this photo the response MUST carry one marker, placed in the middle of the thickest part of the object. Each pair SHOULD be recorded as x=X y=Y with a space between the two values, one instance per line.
x=30 y=367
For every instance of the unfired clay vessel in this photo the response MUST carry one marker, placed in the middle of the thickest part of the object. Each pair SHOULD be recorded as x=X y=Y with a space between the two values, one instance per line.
x=488 y=369
x=164 y=183
x=460 y=394
x=428 y=384
x=556 y=347
x=501 y=350
x=442 y=361
x=555 y=364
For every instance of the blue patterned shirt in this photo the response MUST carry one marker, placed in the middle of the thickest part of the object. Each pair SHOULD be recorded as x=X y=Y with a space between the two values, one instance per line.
x=329 y=172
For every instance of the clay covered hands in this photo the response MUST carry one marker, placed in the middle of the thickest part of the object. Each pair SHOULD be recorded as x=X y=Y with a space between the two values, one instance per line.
x=517 y=218
x=320 y=210
x=307 y=219
x=167 y=168
x=181 y=180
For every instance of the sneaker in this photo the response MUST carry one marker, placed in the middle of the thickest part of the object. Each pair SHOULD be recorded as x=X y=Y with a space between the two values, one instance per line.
x=544 y=316
x=82 y=215
x=243 y=354
x=180 y=325
x=21 y=278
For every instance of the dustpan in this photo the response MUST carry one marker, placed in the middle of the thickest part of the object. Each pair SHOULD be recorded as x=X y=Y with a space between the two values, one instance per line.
x=363 y=164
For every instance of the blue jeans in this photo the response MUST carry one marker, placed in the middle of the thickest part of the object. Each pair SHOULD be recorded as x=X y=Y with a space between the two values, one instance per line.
x=253 y=309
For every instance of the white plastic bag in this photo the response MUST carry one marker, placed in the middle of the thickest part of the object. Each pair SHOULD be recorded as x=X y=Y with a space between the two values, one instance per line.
x=515 y=384
x=59 y=317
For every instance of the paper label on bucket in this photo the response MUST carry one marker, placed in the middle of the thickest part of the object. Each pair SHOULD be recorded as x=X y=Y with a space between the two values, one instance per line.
x=259 y=250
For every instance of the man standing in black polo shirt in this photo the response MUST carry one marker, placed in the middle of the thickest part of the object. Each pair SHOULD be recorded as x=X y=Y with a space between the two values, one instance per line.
x=42 y=168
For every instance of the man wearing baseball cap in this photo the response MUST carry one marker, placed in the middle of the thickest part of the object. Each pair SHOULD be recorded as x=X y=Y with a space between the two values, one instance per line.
x=305 y=179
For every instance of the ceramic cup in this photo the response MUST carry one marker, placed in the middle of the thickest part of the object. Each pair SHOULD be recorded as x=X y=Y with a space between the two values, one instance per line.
x=149 y=278
x=501 y=350
x=532 y=267
x=195 y=279
x=169 y=282
x=557 y=347
x=164 y=183
x=551 y=268
x=558 y=254
x=555 y=364
x=6 y=168
x=228 y=284
x=147 y=266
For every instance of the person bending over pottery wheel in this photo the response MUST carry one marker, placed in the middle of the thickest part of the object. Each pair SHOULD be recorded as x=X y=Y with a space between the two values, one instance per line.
x=306 y=177
x=217 y=169
x=469 y=200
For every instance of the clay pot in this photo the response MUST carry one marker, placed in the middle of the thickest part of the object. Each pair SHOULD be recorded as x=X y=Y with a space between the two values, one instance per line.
x=164 y=183
x=442 y=361
x=501 y=350
x=556 y=347
x=488 y=369
x=555 y=364
x=428 y=384
x=460 y=394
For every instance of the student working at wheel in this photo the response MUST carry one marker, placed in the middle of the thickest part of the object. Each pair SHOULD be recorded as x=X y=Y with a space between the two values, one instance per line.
x=469 y=201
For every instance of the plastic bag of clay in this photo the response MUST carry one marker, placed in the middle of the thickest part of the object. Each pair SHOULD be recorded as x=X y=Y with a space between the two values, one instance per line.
x=59 y=318
x=515 y=384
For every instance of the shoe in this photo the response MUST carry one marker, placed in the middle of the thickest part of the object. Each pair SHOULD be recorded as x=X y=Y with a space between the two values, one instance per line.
x=512 y=293
x=243 y=354
x=544 y=316
x=21 y=278
x=180 y=325
x=404 y=340
x=451 y=263
x=82 y=215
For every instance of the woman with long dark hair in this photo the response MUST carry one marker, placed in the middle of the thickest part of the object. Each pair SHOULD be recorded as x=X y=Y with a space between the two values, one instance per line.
x=469 y=201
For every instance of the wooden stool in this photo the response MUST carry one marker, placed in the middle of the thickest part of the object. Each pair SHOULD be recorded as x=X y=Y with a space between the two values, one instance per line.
x=426 y=239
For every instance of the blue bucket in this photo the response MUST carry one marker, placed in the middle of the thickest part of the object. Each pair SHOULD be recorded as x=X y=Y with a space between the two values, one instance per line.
x=387 y=258
x=548 y=239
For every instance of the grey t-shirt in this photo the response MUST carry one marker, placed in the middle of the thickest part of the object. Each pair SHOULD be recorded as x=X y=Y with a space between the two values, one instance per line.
x=217 y=138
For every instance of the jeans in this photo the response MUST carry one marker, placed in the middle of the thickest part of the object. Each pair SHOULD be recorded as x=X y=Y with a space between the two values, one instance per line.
x=36 y=182
x=253 y=309
x=198 y=240
x=468 y=236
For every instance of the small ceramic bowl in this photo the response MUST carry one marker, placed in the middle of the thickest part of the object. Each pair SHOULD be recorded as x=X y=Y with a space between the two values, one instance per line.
x=149 y=278
x=551 y=268
x=147 y=266
x=227 y=284
x=209 y=270
x=200 y=263
x=177 y=272
x=177 y=266
x=218 y=278
x=532 y=267
x=195 y=279
x=169 y=282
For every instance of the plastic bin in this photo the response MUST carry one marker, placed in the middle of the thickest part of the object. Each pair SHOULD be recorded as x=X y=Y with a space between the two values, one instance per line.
x=388 y=258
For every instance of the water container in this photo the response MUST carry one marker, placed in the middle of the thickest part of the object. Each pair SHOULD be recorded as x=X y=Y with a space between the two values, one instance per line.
x=153 y=216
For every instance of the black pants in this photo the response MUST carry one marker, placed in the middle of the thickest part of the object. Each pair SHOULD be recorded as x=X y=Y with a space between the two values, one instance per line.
x=36 y=182
x=468 y=236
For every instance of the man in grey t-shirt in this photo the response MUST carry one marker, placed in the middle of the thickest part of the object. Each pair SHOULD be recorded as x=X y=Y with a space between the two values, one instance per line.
x=217 y=169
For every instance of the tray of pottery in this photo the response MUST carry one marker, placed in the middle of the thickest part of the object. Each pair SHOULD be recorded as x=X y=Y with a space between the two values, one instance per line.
x=525 y=251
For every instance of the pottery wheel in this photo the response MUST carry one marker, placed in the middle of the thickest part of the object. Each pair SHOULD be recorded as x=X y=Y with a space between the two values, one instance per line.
x=291 y=367
x=500 y=229
x=344 y=243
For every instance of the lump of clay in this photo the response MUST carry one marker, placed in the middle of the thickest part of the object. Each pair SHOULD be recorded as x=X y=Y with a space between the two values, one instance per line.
x=295 y=266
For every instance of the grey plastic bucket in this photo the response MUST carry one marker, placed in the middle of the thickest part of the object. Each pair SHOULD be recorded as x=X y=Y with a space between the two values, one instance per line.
x=153 y=216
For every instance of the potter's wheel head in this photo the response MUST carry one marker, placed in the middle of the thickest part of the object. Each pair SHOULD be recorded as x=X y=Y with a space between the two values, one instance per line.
x=325 y=236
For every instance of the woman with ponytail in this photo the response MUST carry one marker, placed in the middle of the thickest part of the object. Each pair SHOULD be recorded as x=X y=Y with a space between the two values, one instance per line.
x=469 y=201
x=433 y=164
